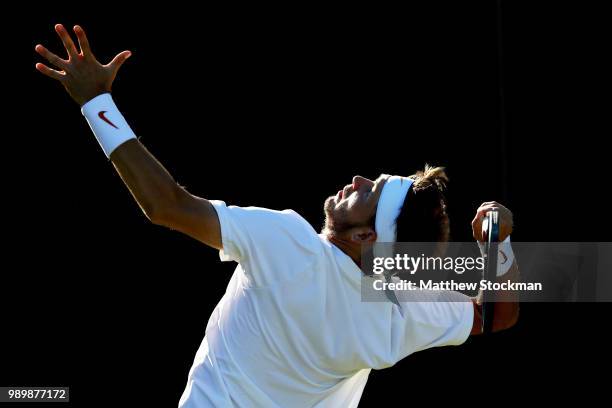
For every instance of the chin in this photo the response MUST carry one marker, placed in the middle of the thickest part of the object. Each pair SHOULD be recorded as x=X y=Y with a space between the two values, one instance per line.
x=328 y=209
x=329 y=205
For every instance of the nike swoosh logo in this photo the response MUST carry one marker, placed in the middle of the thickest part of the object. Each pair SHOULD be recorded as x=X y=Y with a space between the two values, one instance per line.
x=104 y=118
x=505 y=257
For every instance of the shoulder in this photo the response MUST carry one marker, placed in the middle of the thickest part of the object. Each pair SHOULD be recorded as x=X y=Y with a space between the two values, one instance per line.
x=278 y=227
x=299 y=230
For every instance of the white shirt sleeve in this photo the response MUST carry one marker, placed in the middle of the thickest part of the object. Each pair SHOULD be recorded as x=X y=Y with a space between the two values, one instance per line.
x=445 y=321
x=270 y=245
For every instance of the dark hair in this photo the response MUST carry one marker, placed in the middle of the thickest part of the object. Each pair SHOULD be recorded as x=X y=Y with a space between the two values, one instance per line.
x=423 y=217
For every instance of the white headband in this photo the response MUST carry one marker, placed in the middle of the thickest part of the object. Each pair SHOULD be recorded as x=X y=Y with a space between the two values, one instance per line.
x=389 y=206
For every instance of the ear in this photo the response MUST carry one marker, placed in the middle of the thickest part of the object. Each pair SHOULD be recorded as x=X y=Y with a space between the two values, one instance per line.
x=361 y=235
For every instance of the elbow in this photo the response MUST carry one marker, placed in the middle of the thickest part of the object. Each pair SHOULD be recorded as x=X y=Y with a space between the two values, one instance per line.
x=507 y=320
x=505 y=325
x=514 y=319
x=163 y=211
x=157 y=215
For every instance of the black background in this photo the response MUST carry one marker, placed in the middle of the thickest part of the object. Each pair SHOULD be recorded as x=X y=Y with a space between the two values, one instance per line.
x=279 y=107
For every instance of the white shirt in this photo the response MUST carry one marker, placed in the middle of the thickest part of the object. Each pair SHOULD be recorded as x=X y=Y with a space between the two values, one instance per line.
x=291 y=329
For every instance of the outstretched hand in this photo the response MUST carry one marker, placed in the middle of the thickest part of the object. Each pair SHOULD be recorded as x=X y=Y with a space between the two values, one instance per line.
x=81 y=74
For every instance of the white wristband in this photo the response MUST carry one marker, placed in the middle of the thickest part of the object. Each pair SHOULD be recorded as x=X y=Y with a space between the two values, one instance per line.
x=505 y=255
x=107 y=123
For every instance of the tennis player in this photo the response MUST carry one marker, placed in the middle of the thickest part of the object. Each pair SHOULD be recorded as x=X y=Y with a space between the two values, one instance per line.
x=291 y=329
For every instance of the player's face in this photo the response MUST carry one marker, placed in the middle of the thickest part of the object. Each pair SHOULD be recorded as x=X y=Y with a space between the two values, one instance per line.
x=355 y=204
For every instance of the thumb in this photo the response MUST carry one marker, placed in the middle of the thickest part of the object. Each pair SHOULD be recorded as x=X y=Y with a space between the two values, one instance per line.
x=119 y=59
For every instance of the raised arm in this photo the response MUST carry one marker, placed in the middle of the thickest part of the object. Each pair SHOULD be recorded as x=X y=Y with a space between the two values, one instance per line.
x=506 y=307
x=162 y=200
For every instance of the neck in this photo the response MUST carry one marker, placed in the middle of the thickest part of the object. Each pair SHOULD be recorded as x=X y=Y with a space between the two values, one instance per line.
x=347 y=246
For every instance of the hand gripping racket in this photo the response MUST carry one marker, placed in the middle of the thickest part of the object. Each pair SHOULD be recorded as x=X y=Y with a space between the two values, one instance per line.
x=490 y=235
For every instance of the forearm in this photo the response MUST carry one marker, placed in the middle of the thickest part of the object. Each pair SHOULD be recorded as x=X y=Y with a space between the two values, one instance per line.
x=506 y=308
x=506 y=303
x=162 y=200
x=151 y=185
